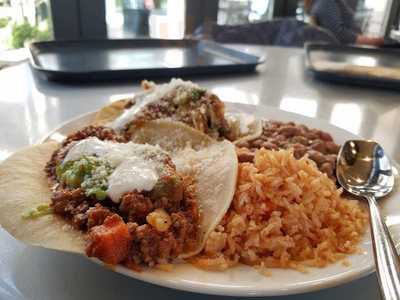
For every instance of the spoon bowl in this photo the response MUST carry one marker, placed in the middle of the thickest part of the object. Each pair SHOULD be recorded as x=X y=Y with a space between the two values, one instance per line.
x=364 y=170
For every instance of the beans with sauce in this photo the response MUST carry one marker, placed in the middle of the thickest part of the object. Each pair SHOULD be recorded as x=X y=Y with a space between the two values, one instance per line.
x=316 y=144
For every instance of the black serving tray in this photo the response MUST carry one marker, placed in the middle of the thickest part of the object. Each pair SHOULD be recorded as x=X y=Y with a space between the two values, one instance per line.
x=355 y=56
x=94 y=60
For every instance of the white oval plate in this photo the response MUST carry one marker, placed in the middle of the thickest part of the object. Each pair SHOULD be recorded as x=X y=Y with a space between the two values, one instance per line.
x=244 y=280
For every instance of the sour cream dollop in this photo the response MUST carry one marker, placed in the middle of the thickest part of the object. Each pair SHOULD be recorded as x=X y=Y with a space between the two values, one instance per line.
x=243 y=121
x=134 y=170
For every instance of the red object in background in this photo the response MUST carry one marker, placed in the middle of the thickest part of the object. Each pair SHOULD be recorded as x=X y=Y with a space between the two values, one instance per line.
x=148 y=4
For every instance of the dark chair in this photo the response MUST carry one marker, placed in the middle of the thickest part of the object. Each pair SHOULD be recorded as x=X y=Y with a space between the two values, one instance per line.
x=281 y=32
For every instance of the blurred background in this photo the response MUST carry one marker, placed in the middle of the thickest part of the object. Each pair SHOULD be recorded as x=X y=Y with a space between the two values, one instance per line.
x=261 y=21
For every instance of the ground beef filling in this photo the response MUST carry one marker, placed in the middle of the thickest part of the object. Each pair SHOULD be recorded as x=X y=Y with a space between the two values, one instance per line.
x=317 y=144
x=146 y=228
x=205 y=114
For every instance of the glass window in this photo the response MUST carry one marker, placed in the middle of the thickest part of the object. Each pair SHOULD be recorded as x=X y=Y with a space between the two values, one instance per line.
x=24 y=21
x=145 y=18
x=233 y=12
x=372 y=16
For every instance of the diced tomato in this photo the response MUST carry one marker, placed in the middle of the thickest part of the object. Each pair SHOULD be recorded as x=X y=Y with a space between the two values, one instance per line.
x=110 y=241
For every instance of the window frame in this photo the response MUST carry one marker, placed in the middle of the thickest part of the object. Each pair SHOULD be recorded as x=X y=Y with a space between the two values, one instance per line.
x=76 y=19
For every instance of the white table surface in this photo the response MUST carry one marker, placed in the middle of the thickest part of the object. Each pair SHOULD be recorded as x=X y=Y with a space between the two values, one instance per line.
x=30 y=107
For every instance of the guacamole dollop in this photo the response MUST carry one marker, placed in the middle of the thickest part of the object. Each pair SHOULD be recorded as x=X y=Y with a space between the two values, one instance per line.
x=89 y=173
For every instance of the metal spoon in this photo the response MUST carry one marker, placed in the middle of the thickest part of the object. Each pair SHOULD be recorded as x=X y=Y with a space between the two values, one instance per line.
x=364 y=170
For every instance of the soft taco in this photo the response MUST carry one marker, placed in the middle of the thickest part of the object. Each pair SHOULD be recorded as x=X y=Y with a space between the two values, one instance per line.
x=182 y=101
x=138 y=203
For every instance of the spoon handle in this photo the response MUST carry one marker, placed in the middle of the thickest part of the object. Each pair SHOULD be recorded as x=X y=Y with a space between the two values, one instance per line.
x=386 y=258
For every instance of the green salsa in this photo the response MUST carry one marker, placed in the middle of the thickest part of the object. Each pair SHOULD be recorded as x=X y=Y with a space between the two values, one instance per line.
x=89 y=172
x=197 y=94
x=39 y=211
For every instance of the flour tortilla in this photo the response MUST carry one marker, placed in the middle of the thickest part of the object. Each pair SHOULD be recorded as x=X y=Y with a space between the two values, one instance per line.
x=172 y=136
x=213 y=164
x=109 y=113
x=24 y=185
